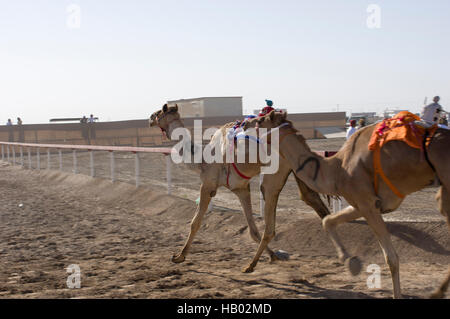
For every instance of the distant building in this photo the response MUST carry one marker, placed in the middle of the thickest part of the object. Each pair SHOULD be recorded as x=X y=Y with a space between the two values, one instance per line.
x=209 y=106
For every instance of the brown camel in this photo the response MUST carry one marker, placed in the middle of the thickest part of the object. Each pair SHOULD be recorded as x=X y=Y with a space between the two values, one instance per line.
x=214 y=175
x=350 y=174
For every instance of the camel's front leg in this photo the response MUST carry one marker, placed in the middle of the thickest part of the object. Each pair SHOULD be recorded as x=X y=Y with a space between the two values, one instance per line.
x=205 y=198
x=269 y=234
x=330 y=223
x=271 y=188
x=443 y=198
x=378 y=226
x=440 y=293
x=312 y=198
x=244 y=197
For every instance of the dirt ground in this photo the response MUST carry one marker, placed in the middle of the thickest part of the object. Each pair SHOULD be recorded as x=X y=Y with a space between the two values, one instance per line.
x=122 y=238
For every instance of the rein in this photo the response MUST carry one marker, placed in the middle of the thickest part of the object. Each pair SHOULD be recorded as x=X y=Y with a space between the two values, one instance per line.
x=259 y=141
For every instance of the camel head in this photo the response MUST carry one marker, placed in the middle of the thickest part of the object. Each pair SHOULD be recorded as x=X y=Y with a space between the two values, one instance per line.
x=153 y=118
x=272 y=120
x=164 y=117
x=287 y=131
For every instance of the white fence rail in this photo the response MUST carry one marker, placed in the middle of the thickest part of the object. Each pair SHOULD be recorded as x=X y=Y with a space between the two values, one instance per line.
x=8 y=148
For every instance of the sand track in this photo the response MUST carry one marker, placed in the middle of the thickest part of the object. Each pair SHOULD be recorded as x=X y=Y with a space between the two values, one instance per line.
x=122 y=238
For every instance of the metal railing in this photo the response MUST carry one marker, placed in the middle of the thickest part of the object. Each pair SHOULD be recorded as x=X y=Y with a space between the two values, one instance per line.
x=9 y=147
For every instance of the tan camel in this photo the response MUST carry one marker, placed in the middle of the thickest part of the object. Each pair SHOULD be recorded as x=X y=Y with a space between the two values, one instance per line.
x=350 y=174
x=215 y=175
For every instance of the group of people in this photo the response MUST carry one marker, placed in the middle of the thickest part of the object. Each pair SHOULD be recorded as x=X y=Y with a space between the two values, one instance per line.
x=91 y=119
x=431 y=114
x=18 y=129
x=10 y=123
x=352 y=129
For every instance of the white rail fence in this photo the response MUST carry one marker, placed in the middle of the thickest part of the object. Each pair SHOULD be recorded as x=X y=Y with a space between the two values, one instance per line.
x=9 y=153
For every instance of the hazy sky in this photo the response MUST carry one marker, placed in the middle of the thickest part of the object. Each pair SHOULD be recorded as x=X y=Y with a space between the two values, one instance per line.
x=129 y=57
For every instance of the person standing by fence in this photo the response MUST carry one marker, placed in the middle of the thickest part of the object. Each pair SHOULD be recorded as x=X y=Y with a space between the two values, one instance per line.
x=91 y=123
x=10 y=131
x=20 y=129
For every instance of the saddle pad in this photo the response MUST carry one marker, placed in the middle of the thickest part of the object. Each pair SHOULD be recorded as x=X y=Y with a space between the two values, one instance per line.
x=401 y=127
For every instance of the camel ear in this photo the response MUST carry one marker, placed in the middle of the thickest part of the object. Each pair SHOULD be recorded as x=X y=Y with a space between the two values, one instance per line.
x=165 y=108
x=176 y=107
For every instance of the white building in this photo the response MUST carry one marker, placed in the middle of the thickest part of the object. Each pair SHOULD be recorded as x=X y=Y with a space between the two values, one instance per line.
x=209 y=106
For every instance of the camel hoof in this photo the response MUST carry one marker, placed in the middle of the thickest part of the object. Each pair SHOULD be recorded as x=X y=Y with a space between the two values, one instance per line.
x=280 y=255
x=354 y=265
x=178 y=259
x=247 y=269
x=437 y=295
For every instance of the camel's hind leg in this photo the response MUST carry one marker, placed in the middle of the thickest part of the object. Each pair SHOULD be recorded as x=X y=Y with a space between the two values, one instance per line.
x=205 y=197
x=443 y=198
x=244 y=197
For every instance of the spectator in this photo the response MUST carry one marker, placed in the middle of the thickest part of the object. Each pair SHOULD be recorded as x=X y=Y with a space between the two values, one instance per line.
x=92 y=134
x=352 y=129
x=431 y=113
x=362 y=123
x=10 y=131
x=84 y=119
x=20 y=129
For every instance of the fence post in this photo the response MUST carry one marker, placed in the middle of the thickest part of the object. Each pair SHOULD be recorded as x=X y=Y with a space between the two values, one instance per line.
x=3 y=152
x=261 y=196
x=29 y=158
x=75 y=161
x=137 y=168
x=14 y=155
x=21 y=156
x=38 y=155
x=48 y=158
x=113 y=166
x=60 y=159
x=169 y=174
x=92 y=163
x=7 y=152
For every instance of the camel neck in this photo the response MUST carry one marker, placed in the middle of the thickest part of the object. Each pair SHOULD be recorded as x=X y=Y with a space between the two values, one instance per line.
x=316 y=171
x=172 y=126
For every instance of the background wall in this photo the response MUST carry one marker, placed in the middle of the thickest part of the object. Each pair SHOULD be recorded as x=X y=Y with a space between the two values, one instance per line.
x=138 y=132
